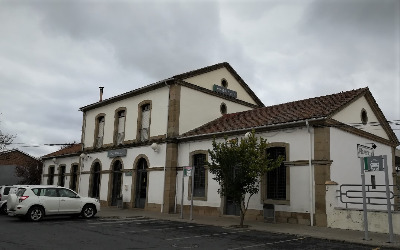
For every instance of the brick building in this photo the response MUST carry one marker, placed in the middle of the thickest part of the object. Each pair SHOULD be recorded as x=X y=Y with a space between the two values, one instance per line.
x=10 y=160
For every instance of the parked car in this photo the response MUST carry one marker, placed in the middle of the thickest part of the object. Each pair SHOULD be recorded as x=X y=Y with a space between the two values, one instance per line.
x=35 y=202
x=4 y=190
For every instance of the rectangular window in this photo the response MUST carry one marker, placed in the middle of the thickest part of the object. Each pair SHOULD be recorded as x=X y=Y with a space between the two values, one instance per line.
x=276 y=179
x=61 y=176
x=145 y=126
x=199 y=189
x=121 y=127
x=50 y=178
x=74 y=177
x=99 y=139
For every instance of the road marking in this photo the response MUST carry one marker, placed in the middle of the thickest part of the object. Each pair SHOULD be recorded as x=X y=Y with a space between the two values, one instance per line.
x=164 y=228
x=269 y=243
x=121 y=221
x=207 y=235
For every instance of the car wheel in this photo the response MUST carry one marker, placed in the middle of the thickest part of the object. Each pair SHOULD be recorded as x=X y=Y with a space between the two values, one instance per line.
x=88 y=211
x=35 y=213
x=4 y=209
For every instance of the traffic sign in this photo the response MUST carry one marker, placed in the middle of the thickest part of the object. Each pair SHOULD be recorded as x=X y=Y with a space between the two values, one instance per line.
x=373 y=163
x=364 y=151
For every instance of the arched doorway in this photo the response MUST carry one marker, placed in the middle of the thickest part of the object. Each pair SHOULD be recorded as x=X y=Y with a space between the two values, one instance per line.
x=116 y=182
x=141 y=184
x=96 y=177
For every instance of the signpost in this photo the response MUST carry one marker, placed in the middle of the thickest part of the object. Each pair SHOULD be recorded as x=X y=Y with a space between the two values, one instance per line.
x=364 y=151
x=370 y=163
x=187 y=172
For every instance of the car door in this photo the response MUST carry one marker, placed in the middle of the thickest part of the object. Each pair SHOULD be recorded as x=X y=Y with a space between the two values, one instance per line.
x=50 y=200
x=70 y=202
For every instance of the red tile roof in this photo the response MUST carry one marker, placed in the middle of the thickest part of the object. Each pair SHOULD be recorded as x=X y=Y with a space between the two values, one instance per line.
x=313 y=108
x=71 y=150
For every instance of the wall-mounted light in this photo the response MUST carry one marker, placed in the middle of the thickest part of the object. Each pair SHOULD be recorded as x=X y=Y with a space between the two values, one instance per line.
x=84 y=156
x=247 y=135
x=155 y=147
x=54 y=160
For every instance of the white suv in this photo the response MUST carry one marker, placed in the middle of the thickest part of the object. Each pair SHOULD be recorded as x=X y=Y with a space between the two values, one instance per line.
x=4 y=190
x=35 y=202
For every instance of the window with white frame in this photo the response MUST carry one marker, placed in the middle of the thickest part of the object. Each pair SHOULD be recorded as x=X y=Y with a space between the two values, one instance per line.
x=145 y=123
x=121 y=127
x=100 y=131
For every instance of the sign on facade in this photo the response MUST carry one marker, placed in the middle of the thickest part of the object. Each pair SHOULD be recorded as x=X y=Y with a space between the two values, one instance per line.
x=364 y=151
x=187 y=171
x=224 y=91
x=373 y=163
x=117 y=153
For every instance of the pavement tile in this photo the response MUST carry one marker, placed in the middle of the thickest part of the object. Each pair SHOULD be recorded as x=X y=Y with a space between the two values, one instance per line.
x=353 y=236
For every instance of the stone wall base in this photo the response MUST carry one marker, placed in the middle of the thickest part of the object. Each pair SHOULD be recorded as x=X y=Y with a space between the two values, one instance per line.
x=292 y=218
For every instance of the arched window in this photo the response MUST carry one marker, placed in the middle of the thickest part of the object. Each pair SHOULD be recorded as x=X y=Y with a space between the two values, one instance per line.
x=119 y=126
x=116 y=182
x=100 y=131
x=143 y=133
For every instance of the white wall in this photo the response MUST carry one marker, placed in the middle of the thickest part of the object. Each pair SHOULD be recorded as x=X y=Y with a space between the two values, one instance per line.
x=67 y=161
x=207 y=81
x=159 y=113
x=299 y=175
x=352 y=115
x=346 y=166
x=197 y=108
x=155 y=178
x=353 y=219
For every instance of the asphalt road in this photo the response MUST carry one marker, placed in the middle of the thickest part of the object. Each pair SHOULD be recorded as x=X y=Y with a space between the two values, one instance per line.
x=146 y=233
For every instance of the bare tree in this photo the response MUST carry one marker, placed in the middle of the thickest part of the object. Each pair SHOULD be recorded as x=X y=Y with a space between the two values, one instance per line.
x=5 y=139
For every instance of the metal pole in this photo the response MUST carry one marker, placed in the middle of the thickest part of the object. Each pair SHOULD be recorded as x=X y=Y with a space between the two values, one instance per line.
x=191 y=199
x=183 y=186
x=364 y=200
x=389 y=205
x=311 y=178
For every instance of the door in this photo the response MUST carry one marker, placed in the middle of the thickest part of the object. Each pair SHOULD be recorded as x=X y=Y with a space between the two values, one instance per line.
x=50 y=200
x=116 y=181
x=96 y=181
x=141 y=184
x=69 y=202
x=231 y=208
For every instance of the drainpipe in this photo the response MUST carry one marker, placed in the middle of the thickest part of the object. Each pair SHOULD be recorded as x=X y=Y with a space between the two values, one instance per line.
x=166 y=135
x=311 y=177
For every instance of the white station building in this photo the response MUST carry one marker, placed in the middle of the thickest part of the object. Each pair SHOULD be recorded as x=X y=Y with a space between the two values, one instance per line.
x=135 y=146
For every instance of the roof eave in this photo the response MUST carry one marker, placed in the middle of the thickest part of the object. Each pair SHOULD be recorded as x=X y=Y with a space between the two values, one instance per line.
x=258 y=128
x=141 y=90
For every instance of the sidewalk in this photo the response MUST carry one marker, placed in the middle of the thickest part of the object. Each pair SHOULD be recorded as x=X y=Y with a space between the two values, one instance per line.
x=376 y=239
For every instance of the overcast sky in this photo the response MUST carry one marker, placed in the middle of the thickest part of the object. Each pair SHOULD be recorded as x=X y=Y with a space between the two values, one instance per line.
x=55 y=54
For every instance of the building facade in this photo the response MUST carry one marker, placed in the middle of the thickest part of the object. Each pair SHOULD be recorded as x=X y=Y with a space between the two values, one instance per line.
x=10 y=160
x=135 y=146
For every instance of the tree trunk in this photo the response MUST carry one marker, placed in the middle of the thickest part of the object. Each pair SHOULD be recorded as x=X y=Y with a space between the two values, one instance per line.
x=241 y=219
x=242 y=212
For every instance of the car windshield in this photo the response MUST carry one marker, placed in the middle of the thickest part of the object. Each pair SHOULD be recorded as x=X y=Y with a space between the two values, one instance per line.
x=20 y=191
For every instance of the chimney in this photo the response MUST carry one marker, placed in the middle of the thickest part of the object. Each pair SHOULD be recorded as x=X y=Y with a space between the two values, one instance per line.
x=101 y=93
